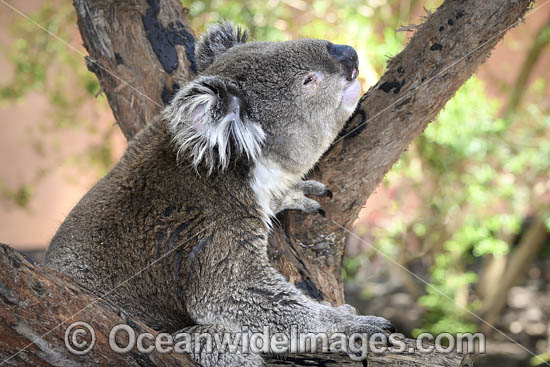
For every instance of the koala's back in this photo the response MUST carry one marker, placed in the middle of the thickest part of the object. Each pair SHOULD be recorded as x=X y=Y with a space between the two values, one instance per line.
x=131 y=235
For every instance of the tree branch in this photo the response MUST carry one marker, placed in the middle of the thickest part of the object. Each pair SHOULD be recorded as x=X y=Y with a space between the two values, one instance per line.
x=517 y=262
x=541 y=41
x=38 y=304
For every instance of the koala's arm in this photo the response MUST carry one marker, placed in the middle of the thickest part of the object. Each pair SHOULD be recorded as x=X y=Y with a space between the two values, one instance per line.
x=240 y=288
x=295 y=198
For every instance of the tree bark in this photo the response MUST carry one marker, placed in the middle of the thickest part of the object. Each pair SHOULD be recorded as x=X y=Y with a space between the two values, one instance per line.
x=142 y=52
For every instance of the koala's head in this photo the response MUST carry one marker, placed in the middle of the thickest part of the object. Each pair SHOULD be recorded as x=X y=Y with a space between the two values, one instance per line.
x=279 y=101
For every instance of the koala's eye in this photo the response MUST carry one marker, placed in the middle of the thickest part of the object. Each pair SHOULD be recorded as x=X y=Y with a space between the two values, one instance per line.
x=311 y=82
x=309 y=79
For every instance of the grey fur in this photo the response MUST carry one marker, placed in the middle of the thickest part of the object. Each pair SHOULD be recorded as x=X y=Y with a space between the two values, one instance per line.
x=182 y=241
x=218 y=39
x=294 y=197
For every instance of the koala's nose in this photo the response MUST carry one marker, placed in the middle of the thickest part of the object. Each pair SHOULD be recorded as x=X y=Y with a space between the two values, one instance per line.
x=347 y=56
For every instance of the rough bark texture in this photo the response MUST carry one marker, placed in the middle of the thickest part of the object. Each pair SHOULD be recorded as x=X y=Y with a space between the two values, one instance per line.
x=38 y=304
x=142 y=51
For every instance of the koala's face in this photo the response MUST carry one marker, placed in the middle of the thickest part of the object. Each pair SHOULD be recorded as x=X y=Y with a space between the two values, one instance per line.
x=280 y=101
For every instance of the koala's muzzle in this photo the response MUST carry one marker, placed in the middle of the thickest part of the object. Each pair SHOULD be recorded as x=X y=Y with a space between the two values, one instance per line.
x=347 y=56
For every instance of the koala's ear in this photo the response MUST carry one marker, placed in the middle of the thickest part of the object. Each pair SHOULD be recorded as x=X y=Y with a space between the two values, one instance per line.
x=217 y=40
x=208 y=119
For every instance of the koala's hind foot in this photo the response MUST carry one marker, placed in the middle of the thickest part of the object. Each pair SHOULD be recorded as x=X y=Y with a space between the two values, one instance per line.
x=200 y=341
x=295 y=198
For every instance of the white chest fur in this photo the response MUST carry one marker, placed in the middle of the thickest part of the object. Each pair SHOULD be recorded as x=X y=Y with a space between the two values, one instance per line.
x=268 y=181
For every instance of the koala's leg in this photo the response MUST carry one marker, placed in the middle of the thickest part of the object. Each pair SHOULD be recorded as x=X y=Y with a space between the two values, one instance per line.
x=215 y=346
x=295 y=198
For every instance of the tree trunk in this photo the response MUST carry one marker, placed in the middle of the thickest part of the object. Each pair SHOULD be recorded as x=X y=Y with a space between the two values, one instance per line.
x=142 y=51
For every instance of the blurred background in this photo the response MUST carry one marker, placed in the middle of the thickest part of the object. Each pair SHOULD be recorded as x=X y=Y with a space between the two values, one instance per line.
x=467 y=207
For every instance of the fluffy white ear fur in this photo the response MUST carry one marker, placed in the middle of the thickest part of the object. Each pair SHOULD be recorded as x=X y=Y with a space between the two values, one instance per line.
x=206 y=121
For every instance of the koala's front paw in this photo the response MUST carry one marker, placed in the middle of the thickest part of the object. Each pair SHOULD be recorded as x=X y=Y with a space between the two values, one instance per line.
x=347 y=309
x=367 y=327
x=371 y=325
x=345 y=321
x=295 y=198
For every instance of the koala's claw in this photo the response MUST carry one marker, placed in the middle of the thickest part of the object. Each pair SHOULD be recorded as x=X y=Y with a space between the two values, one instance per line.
x=369 y=325
x=379 y=322
x=372 y=325
x=311 y=187
x=344 y=319
x=295 y=198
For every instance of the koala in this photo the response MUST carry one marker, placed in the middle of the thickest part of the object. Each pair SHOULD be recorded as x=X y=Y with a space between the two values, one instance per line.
x=176 y=233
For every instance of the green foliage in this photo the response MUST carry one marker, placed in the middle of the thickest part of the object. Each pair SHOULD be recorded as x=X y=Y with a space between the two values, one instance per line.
x=540 y=360
x=20 y=196
x=263 y=19
x=34 y=55
x=42 y=63
x=474 y=174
